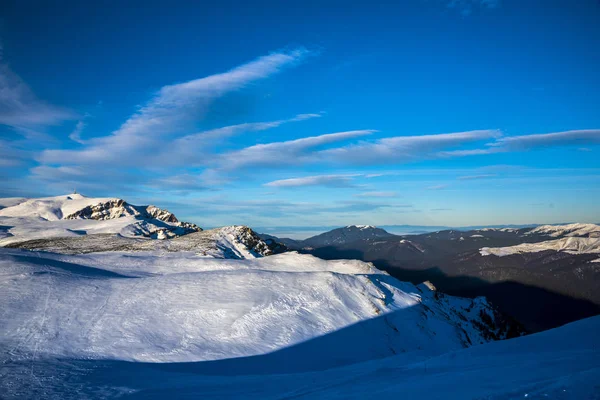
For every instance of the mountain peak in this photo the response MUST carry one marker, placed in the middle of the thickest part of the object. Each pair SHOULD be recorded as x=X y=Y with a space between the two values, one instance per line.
x=347 y=234
x=362 y=227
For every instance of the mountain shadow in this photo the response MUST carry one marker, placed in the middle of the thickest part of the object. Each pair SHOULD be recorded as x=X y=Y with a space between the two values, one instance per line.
x=536 y=306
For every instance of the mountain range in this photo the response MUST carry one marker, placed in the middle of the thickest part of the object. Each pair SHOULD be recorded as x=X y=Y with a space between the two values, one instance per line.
x=104 y=299
x=543 y=276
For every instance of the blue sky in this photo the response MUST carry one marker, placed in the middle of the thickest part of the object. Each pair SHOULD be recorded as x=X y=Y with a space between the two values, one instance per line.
x=274 y=114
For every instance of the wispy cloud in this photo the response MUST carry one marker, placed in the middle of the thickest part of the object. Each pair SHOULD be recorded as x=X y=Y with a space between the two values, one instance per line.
x=437 y=187
x=401 y=149
x=442 y=209
x=466 y=7
x=11 y=156
x=179 y=102
x=290 y=152
x=192 y=148
x=530 y=142
x=376 y=194
x=75 y=135
x=527 y=142
x=20 y=107
x=172 y=108
x=319 y=180
x=474 y=177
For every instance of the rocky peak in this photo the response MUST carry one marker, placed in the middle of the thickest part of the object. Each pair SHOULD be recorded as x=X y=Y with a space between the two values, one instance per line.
x=117 y=208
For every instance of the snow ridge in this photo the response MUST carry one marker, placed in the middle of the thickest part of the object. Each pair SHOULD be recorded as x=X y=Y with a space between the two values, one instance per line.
x=571 y=245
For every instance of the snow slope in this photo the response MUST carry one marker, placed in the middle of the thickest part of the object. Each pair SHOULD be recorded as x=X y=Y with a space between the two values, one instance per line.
x=563 y=363
x=183 y=307
x=235 y=242
x=571 y=245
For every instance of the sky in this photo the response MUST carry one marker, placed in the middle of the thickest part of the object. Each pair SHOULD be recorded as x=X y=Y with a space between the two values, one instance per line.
x=291 y=115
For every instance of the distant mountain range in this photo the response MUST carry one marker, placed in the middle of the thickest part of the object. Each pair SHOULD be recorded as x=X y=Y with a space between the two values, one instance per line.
x=303 y=232
x=543 y=276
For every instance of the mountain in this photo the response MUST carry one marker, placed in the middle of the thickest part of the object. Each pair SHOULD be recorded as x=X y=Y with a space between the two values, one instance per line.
x=544 y=276
x=74 y=214
x=234 y=242
x=75 y=224
x=109 y=312
x=346 y=235
x=335 y=237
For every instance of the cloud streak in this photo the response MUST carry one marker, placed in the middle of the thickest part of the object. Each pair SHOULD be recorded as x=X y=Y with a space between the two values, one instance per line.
x=20 y=107
x=376 y=194
x=318 y=180
x=286 y=153
x=172 y=108
x=401 y=149
x=475 y=177
x=438 y=187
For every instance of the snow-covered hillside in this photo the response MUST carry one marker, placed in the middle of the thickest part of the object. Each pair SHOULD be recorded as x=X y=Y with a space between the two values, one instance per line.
x=75 y=215
x=178 y=307
x=583 y=230
x=235 y=242
x=571 y=245
x=562 y=363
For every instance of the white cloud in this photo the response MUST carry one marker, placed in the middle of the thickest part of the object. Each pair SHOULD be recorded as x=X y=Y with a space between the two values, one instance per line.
x=376 y=194
x=529 y=142
x=318 y=180
x=194 y=148
x=10 y=156
x=172 y=108
x=76 y=134
x=474 y=177
x=526 y=142
x=20 y=108
x=438 y=187
x=291 y=152
x=402 y=149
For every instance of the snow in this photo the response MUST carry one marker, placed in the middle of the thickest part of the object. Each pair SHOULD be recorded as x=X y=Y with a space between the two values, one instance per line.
x=498 y=230
x=362 y=227
x=572 y=245
x=11 y=201
x=50 y=208
x=578 y=229
x=182 y=307
x=562 y=363
x=104 y=312
x=30 y=219
x=477 y=236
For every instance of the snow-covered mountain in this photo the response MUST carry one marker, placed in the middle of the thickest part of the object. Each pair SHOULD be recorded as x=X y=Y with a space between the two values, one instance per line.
x=74 y=214
x=570 y=230
x=236 y=242
x=568 y=244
